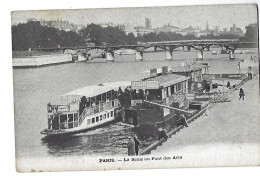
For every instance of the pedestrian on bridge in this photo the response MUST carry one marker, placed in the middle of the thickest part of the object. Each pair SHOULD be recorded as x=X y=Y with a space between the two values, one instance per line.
x=241 y=94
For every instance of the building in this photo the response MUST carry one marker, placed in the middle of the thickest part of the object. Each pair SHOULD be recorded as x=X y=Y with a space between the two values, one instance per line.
x=191 y=30
x=130 y=29
x=236 y=31
x=140 y=30
x=59 y=24
x=148 y=23
x=207 y=28
x=168 y=28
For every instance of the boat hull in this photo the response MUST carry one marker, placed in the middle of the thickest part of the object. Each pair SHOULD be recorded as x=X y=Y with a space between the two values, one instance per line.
x=67 y=133
x=88 y=124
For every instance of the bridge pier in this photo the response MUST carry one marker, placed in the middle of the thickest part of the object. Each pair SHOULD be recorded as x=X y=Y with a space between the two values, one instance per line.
x=168 y=52
x=110 y=56
x=231 y=54
x=168 y=55
x=188 y=48
x=200 y=55
x=139 y=55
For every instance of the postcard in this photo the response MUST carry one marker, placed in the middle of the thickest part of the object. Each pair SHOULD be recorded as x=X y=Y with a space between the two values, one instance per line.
x=136 y=88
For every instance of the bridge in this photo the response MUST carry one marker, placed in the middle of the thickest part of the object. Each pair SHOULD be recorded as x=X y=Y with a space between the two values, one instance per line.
x=168 y=46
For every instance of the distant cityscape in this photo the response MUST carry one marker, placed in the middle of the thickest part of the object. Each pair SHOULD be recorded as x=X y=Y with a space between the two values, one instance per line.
x=147 y=28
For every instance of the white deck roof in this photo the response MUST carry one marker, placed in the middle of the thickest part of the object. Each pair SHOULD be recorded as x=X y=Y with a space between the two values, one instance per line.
x=94 y=90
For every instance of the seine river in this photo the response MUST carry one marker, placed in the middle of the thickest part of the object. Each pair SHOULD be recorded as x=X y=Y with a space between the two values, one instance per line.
x=34 y=88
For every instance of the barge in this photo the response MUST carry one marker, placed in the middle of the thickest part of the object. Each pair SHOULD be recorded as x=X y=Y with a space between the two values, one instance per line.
x=84 y=109
x=147 y=102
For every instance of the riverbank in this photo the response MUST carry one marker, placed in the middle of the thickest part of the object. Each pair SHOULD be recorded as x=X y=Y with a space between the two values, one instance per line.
x=226 y=137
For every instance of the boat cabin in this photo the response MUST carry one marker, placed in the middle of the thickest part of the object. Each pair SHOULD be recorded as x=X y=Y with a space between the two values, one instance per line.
x=162 y=88
x=78 y=105
x=194 y=71
x=159 y=87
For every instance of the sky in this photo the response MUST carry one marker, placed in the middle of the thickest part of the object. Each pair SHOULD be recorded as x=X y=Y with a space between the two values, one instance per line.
x=180 y=16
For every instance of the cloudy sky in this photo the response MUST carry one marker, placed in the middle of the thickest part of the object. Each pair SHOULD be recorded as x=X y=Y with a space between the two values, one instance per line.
x=181 y=16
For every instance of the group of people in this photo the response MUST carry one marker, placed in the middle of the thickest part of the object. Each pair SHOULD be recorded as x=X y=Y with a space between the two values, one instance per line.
x=133 y=143
x=133 y=146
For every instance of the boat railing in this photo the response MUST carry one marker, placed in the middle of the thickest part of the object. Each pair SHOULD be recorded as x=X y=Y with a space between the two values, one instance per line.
x=97 y=109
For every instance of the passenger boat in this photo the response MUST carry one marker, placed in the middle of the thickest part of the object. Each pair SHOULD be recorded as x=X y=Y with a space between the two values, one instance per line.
x=84 y=109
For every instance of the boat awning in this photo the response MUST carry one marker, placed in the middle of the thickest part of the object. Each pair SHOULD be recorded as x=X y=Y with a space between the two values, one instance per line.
x=169 y=79
x=94 y=90
x=182 y=68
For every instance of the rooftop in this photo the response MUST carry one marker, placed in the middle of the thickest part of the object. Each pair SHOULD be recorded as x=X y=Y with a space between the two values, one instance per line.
x=94 y=90
x=189 y=68
x=169 y=79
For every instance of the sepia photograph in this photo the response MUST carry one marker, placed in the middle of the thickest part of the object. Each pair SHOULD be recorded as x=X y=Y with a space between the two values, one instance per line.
x=136 y=87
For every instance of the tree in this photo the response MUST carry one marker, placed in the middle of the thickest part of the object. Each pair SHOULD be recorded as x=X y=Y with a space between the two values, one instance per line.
x=34 y=35
x=251 y=34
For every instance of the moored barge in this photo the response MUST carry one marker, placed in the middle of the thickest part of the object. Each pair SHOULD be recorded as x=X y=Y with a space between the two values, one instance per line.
x=84 y=109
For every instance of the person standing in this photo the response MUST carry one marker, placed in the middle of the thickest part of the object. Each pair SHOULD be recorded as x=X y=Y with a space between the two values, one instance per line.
x=137 y=143
x=184 y=121
x=241 y=93
x=238 y=65
x=131 y=147
x=228 y=84
x=162 y=134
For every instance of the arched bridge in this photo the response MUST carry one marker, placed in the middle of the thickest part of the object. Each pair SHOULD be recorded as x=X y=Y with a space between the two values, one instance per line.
x=168 y=46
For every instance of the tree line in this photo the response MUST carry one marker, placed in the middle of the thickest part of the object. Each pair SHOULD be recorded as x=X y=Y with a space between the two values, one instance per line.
x=34 y=35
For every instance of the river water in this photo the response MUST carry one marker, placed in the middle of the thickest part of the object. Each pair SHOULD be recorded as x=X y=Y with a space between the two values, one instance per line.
x=35 y=87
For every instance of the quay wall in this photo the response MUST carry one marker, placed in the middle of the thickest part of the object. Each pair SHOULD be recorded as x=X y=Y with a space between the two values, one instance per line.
x=36 y=61
x=206 y=105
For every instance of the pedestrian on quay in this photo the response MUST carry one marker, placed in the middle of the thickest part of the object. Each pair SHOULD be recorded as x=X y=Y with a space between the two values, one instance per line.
x=162 y=134
x=238 y=65
x=131 y=147
x=241 y=94
x=184 y=121
x=137 y=143
x=228 y=84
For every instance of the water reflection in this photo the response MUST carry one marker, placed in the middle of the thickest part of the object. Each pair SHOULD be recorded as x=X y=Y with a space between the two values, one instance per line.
x=111 y=139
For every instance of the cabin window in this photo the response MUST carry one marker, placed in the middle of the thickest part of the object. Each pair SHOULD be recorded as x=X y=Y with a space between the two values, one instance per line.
x=166 y=92
x=103 y=97
x=88 y=122
x=172 y=89
x=169 y=91
x=108 y=115
x=63 y=118
x=97 y=119
x=93 y=120
x=55 y=122
x=100 y=117
x=98 y=99
x=70 y=120
x=154 y=94
x=114 y=95
x=105 y=116
x=109 y=95
x=70 y=117
x=88 y=102
x=111 y=113
x=75 y=116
